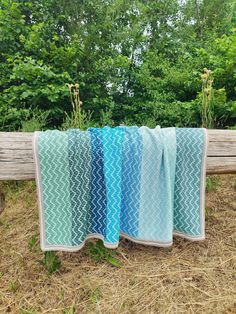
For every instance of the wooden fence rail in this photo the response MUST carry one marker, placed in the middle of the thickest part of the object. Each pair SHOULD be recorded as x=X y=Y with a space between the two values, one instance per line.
x=16 y=155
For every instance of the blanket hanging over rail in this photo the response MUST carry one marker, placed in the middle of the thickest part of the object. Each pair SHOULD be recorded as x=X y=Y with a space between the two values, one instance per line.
x=143 y=184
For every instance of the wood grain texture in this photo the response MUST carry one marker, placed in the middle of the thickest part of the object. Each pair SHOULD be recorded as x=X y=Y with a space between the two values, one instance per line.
x=16 y=156
x=17 y=163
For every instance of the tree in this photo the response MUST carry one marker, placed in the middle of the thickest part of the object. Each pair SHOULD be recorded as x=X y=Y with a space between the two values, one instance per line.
x=135 y=61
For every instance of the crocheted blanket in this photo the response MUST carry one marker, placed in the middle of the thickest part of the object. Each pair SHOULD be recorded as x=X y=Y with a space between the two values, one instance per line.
x=139 y=183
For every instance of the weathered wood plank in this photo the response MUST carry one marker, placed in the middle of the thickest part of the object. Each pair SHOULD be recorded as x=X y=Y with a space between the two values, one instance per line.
x=221 y=165
x=222 y=135
x=16 y=156
x=223 y=149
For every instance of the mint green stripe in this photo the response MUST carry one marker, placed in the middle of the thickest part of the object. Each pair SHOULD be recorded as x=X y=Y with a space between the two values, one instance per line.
x=54 y=166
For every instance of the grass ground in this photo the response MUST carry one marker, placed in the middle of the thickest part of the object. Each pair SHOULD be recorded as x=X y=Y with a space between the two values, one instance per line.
x=190 y=277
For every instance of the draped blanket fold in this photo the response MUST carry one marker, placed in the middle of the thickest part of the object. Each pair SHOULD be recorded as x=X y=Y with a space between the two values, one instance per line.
x=139 y=183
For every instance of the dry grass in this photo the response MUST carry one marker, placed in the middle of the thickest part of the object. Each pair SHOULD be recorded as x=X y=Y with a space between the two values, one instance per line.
x=188 y=278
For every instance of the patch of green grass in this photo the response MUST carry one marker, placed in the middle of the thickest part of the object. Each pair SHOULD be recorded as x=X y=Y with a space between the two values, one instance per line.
x=32 y=243
x=70 y=310
x=14 y=189
x=1 y=274
x=95 y=295
x=207 y=210
x=35 y=121
x=62 y=294
x=13 y=286
x=5 y=223
x=51 y=262
x=99 y=253
x=28 y=200
x=212 y=183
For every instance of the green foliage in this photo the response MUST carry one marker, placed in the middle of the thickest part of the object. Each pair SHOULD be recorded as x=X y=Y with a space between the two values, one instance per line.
x=207 y=100
x=207 y=210
x=106 y=117
x=51 y=262
x=13 y=286
x=138 y=62
x=95 y=295
x=33 y=241
x=78 y=118
x=99 y=253
x=212 y=183
x=35 y=121
x=70 y=310
x=177 y=114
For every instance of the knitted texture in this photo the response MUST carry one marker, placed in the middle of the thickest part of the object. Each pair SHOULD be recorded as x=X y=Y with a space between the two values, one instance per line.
x=140 y=183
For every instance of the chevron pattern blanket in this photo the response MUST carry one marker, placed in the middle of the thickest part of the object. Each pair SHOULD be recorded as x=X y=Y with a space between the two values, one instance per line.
x=143 y=184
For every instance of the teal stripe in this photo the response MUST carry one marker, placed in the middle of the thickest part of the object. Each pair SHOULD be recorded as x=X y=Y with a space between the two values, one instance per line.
x=187 y=209
x=54 y=165
x=131 y=171
x=80 y=158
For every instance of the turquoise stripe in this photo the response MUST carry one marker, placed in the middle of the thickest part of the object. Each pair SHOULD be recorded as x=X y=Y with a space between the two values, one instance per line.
x=54 y=166
x=131 y=172
x=112 y=144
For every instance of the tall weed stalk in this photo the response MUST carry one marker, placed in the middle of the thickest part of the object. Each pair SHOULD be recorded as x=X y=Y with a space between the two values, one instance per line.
x=207 y=100
x=78 y=118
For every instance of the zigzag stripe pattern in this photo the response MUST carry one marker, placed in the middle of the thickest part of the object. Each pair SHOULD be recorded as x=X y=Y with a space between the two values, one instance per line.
x=98 y=187
x=54 y=171
x=131 y=175
x=156 y=200
x=112 y=142
x=190 y=145
x=140 y=182
x=80 y=177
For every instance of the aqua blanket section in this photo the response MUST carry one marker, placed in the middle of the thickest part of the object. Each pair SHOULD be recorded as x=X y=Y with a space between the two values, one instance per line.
x=157 y=184
x=146 y=185
x=189 y=184
x=112 y=139
x=132 y=148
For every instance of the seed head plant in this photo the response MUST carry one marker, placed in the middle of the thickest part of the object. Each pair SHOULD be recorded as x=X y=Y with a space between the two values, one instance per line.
x=207 y=100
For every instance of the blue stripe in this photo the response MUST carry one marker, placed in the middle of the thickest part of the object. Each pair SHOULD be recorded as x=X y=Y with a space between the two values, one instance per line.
x=112 y=143
x=98 y=189
x=131 y=178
